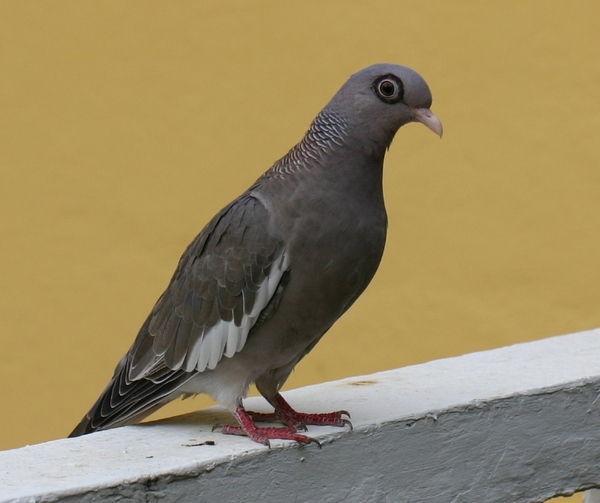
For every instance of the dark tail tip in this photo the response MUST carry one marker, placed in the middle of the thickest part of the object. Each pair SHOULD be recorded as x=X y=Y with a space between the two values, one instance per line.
x=83 y=428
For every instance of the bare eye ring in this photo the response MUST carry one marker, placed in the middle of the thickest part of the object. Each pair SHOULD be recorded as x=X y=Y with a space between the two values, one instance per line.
x=389 y=88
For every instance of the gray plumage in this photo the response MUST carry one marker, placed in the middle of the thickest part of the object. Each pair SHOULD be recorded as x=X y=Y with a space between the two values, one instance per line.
x=270 y=274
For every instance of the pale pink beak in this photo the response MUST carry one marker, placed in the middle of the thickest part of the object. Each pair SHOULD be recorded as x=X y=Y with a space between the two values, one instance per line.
x=428 y=118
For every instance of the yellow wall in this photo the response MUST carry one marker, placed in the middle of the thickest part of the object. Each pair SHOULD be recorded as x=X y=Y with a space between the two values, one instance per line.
x=124 y=126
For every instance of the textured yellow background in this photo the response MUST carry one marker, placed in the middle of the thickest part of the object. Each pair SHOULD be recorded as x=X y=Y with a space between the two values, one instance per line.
x=124 y=126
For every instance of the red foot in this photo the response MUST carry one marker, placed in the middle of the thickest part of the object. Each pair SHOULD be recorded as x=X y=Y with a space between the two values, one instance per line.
x=293 y=420
x=263 y=435
x=299 y=420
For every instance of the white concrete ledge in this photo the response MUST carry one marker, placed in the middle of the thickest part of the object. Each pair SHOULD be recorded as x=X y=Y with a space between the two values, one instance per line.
x=517 y=424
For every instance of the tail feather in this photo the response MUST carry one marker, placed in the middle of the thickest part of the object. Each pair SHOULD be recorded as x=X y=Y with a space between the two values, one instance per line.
x=128 y=402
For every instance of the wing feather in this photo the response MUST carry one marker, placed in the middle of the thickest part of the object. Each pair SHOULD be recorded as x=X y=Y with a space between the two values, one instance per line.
x=224 y=281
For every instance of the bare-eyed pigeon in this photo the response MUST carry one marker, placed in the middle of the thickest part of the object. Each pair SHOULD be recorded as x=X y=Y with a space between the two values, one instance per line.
x=273 y=270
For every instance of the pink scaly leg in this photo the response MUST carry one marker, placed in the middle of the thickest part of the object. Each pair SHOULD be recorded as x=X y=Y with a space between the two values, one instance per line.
x=262 y=435
x=299 y=420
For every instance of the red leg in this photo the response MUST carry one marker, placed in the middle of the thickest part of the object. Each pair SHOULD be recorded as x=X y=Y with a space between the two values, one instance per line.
x=299 y=420
x=262 y=435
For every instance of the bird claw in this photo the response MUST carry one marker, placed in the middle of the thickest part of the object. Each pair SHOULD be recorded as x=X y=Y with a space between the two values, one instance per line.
x=294 y=421
x=266 y=434
x=347 y=422
x=299 y=420
x=263 y=435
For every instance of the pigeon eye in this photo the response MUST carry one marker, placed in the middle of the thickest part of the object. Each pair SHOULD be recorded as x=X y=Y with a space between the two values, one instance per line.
x=389 y=89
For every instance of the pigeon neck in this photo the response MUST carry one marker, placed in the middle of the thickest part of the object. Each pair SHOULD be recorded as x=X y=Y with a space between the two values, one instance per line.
x=328 y=137
x=332 y=134
x=326 y=133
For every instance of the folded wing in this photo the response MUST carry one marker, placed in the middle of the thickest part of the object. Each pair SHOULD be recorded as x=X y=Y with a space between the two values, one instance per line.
x=226 y=277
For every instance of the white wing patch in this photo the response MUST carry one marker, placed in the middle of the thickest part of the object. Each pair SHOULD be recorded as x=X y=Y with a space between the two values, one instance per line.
x=226 y=338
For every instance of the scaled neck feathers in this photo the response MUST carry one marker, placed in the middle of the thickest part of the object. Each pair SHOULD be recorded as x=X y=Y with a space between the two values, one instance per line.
x=327 y=132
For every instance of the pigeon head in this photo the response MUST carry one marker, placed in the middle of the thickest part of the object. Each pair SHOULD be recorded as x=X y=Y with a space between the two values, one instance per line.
x=376 y=101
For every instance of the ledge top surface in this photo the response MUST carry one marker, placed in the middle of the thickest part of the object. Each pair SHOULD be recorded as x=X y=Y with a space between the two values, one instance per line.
x=177 y=445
